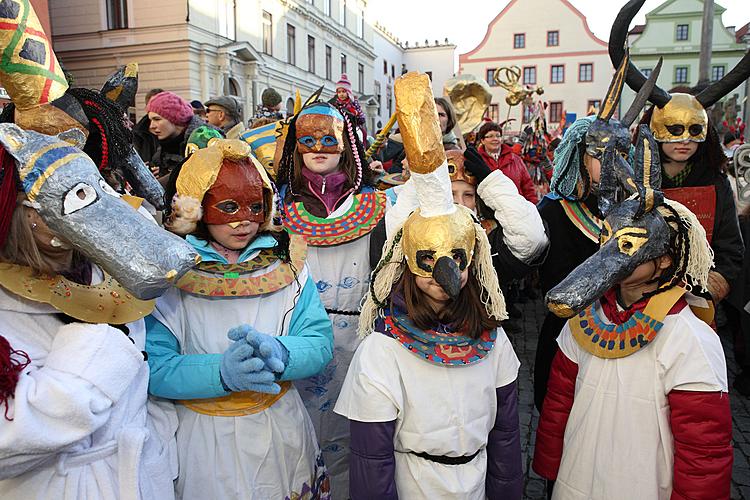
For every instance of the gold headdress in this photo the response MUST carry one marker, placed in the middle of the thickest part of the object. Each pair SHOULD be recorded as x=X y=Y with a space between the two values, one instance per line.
x=439 y=239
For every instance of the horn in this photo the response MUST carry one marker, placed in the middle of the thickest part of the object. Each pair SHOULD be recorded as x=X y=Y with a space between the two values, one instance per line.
x=731 y=81
x=314 y=97
x=122 y=85
x=647 y=167
x=470 y=97
x=642 y=97
x=607 y=109
x=617 y=40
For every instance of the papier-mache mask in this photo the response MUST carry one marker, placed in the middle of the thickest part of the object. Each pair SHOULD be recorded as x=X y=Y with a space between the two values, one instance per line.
x=73 y=199
x=456 y=168
x=677 y=117
x=320 y=129
x=222 y=184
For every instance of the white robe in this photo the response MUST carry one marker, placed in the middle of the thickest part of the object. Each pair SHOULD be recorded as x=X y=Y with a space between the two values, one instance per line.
x=342 y=276
x=618 y=441
x=266 y=455
x=440 y=410
x=80 y=428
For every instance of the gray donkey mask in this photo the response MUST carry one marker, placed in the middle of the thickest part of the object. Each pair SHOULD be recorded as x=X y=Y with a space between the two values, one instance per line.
x=73 y=199
x=634 y=232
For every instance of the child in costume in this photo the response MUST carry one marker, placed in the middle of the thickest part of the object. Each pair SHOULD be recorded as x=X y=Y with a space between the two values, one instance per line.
x=431 y=394
x=637 y=404
x=347 y=104
x=74 y=419
x=329 y=200
x=227 y=341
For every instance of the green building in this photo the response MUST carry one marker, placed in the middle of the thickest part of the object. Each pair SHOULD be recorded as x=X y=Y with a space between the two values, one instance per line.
x=673 y=31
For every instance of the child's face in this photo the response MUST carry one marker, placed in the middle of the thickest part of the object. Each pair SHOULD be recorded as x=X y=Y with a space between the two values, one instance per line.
x=342 y=94
x=234 y=236
x=646 y=272
x=435 y=292
x=322 y=163
x=464 y=194
x=679 y=151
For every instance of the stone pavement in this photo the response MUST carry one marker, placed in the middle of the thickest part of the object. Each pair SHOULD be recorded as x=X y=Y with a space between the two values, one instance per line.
x=524 y=332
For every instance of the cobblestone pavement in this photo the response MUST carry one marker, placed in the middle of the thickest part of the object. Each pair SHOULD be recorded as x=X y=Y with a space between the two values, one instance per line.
x=524 y=332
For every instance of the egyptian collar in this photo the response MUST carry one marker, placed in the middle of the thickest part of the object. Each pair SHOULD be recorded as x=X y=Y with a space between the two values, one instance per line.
x=355 y=218
x=209 y=254
x=259 y=271
x=104 y=302
x=583 y=218
x=440 y=347
x=595 y=334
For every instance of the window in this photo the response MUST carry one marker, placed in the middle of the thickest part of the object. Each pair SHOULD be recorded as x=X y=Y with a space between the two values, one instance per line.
x=528 y=113
x=361 y=78
x=267 y=33
x=593 y=106
x=553 y=38
x=586 y=72
x=555 y=111
x=377 y=94
x=343 y=63
x=385 y=67
x=361 y=24
x=327 y=7
x=310 y=54
x=225 y=20
x=389 y=98
x=681 y=33
x=646 y=72
x=519 y=40
x=342 y=13
x=117 y=14
x=329 y=63
x=393 y=71
x=681 y=74
x=717 y=73
x=529 y=75
x=491 y=77
x=493 y=113
x=557 y=73
x=291 y=40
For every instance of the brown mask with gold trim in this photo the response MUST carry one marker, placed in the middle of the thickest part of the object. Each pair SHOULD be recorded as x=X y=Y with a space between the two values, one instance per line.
x=320 y=129
x=236 y=196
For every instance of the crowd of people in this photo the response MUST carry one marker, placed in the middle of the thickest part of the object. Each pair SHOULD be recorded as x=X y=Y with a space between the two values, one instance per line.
x=187 y=314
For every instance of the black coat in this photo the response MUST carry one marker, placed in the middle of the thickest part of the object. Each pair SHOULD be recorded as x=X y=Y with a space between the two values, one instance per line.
x=568 y=248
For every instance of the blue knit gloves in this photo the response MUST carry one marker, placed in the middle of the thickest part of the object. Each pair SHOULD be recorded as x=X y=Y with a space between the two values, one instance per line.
x=252 y=361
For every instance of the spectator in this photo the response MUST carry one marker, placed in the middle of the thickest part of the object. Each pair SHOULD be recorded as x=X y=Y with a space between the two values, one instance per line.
x=500 y=156
x=225 y=113
x=198 y=109
x=270 y=109
x=144 y=141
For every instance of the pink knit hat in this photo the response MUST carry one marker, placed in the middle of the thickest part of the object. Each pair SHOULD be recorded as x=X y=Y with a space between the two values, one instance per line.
x=171 y=107
x=344 y=83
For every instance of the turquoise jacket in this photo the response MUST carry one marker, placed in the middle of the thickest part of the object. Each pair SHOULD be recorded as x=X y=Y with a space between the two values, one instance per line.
x=309 y=342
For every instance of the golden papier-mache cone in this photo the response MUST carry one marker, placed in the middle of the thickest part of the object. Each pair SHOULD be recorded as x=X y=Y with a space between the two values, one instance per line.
x=418 y=123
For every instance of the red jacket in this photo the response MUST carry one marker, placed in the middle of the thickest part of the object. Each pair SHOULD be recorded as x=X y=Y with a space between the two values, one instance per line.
x=514 y=168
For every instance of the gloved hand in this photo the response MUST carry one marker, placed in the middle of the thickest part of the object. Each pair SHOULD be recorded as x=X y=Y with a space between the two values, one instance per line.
x=265 y=347
x=474 y=163
x=240 y=370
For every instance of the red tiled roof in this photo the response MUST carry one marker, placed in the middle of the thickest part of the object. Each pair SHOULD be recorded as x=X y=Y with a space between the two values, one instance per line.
x=742 y=32
x=637 y=29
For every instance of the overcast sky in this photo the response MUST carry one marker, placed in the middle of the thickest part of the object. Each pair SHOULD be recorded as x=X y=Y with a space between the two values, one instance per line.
x=465 y=22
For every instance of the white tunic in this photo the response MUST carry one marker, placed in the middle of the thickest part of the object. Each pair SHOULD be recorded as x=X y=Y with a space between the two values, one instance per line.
x=618 y=441
x=342 y=276
x=266 y=455
x=440 y=410
x=80 y=428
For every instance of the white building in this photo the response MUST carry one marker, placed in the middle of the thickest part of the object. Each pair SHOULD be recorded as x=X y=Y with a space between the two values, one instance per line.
x=204 y=48
x=551 y=43
x=394 y=57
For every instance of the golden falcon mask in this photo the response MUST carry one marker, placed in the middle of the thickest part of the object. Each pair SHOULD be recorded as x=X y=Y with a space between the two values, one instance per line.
x=681 y=119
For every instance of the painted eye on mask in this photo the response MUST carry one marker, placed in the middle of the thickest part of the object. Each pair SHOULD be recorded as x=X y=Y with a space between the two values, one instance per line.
x=630 y=244
x=325 y=141
x=228 y=206
x=82 y=195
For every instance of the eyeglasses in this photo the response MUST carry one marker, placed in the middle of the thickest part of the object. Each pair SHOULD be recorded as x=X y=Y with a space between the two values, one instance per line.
x=493 y=136
x=211 y=110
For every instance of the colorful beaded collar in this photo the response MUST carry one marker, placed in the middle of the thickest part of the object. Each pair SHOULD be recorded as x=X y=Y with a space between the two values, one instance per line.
x=612 y=341
x=265 y=273
x=365 y=212
x=444 y=348
x=582 y=218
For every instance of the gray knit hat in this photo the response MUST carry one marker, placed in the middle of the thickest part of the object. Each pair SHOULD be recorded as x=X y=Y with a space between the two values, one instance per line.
x=270 y=98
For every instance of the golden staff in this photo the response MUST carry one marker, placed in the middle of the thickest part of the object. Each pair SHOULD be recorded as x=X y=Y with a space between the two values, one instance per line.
x=380 y=138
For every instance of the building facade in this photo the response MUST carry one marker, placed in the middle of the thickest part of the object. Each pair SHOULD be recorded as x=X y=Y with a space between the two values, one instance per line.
x=556 y=51
x=204 y=48
x=394 y=57
x=673 y=31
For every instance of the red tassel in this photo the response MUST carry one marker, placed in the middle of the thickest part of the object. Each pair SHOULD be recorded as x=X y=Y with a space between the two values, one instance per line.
x=10 y=369
x=7 y=193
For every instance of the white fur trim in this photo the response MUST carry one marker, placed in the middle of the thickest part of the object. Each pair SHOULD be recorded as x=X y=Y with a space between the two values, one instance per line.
x=186 y=212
